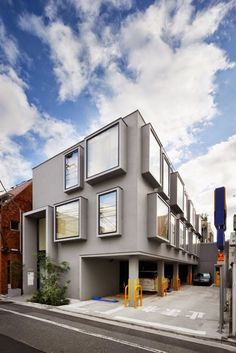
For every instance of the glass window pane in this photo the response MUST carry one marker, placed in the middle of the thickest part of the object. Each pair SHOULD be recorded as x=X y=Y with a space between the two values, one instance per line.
x=108 y=213
x=166 y=176
x=181 y=235
x=155 y=158
x=71 y=169
x=103 y=151
x=162 y=219
x=180 y=194
x=67 y=220
x=185 y=206
x=173 y=230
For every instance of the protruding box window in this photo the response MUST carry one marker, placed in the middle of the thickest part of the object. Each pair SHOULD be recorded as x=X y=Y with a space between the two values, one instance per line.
x=158 y=218
x=109 y=208
x=191 y=214
x=106 y=153
x=182 y=231
x=151 y=156
x=172 y=230
x=70 y=220
x=177 y=193
x=73 y=169
x=166 y=177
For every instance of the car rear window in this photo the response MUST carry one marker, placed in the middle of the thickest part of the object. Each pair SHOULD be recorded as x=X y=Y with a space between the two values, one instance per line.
x=206 y=275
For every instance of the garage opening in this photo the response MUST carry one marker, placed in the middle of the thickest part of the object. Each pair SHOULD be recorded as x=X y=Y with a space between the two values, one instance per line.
x=183 y=273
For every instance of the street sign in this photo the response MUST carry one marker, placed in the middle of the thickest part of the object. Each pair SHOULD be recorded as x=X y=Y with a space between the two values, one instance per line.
x=220 y=256
x=220 y=208
x=220 y=216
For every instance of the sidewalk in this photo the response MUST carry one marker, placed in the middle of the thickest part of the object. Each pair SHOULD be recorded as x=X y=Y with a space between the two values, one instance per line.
x=192 y=311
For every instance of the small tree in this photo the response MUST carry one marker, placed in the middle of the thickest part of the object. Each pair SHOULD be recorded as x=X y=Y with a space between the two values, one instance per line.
x=51 y=291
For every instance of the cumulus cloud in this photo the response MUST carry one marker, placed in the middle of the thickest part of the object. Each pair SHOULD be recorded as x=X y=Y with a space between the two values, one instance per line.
x=156 y=56
x=214 y=169
x=19 y=117
x=8 y=45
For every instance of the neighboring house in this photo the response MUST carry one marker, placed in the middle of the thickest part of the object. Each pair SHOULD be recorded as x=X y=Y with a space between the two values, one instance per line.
x=12 y=205
x=112 y=207
x=206 y=231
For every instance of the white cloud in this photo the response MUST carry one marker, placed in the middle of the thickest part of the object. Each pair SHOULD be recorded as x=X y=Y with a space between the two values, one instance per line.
x=57 y=135
x=205 y=173
x=14 y=166
x=17 y=115
x=173 y=84
x=8 y=45
x=168 y=71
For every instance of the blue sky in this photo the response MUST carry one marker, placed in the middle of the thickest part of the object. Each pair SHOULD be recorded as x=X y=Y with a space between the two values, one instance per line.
x=68 y=67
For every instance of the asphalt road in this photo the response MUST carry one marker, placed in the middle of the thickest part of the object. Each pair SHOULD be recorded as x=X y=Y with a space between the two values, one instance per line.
x=45 y=331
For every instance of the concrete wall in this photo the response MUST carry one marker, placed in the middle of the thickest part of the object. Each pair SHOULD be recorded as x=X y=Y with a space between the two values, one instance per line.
x=207 y=258
x=101 y=277
x=29 y=249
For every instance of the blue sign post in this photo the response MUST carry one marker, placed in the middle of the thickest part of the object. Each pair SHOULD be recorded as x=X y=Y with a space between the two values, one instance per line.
x=220 y=216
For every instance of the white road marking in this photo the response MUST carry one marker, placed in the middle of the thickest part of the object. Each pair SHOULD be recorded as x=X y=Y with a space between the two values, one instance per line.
x=75 y=329
x=160 y=326
x=150 y=309
x=195 y=315
x=171 y=312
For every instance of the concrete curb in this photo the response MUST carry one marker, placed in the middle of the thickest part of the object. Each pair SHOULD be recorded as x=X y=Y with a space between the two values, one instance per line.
x=231 y=342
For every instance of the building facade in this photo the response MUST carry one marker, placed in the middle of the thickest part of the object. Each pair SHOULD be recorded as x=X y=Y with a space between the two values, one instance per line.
x=112 y=207
x=12 y=205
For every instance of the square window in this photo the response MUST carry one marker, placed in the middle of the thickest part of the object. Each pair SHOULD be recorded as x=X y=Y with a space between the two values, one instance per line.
x=106 y=153
x=15 y=225
x=70 y=220
x=158 y=218
x=162 y=219
x=151 y=156
x=103 y=151
x=109 y=212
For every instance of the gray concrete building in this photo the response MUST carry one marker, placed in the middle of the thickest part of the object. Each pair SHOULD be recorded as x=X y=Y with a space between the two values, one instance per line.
x=112 y=207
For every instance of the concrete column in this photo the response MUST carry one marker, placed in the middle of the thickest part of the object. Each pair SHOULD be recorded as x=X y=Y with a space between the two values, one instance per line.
x=175 y=275
x=133 y=277
x=190 y=274
x=161 y=275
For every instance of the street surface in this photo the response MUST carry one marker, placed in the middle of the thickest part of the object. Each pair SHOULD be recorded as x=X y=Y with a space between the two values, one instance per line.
x=52 y=332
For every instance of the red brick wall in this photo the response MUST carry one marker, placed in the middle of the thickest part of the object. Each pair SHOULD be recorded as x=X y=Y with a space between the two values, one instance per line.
x=11 y=239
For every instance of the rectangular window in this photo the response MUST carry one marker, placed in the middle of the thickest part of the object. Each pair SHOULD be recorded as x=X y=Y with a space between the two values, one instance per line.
x=107 y=213
x=166 y=177
x=162 y=222
x=185 y=206
x=103 y=151
x=68 y=220
x=15 y=225
x=181 y=235
x=172 y=230
x=155 y=158
x=72 y=169
x=180 y=194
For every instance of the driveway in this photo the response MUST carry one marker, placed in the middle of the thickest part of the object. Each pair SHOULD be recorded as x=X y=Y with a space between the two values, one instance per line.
x=192 y=310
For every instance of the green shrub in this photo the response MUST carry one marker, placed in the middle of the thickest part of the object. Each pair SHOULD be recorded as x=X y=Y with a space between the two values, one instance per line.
x=51 y=291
